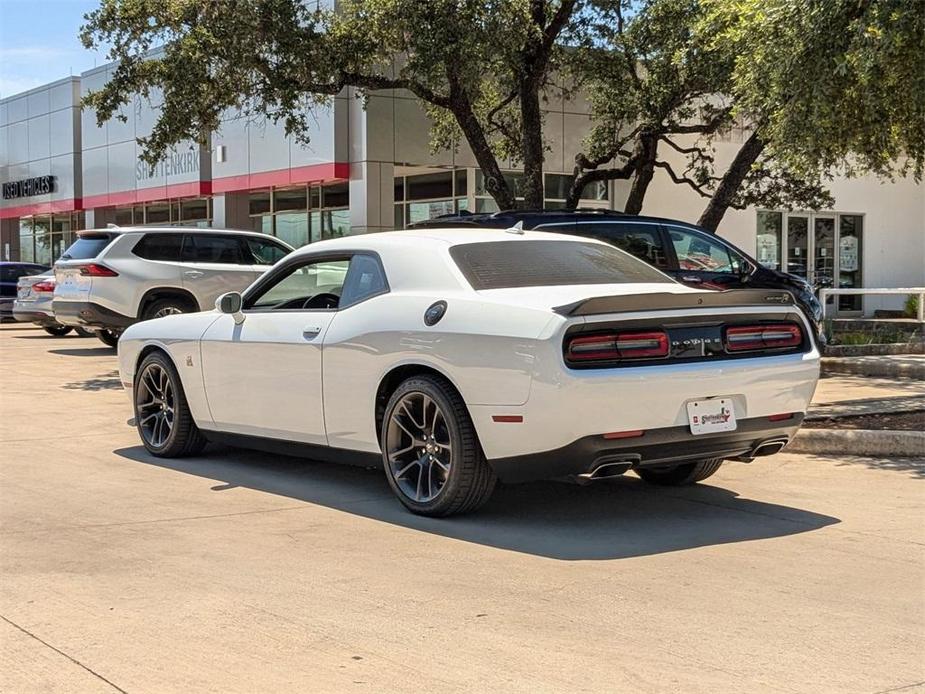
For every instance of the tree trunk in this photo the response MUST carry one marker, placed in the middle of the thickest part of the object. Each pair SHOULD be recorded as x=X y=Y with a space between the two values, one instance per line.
x=646 y=149
x=732 y=180
x=495 y=184
x=532 y=119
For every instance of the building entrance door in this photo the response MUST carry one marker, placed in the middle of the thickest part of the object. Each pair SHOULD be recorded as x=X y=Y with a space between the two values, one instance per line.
x=826 y=249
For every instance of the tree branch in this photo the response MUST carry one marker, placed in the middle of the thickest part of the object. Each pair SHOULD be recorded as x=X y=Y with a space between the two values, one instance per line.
x=679 y=180
x=694 y=149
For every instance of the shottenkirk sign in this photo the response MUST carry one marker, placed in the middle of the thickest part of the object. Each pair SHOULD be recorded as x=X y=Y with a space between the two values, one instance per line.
x=26 y=188
x=172 y=165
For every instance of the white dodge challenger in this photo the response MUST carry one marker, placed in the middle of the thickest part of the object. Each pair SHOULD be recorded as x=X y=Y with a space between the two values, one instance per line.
x=455 y=358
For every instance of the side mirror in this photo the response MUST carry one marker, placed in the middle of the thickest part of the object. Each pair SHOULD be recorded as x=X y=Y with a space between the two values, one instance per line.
x=231 y=303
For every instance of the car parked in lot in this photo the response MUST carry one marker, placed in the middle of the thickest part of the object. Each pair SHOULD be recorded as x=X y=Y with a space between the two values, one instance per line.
x=34 y=296
x=9 y=279
x=457 y=357
x=688 y=253
x=111 y=278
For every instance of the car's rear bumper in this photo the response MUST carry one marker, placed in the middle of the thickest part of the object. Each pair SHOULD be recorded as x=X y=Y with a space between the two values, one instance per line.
x=33 y=315
x=85 y=314
x=653 y=448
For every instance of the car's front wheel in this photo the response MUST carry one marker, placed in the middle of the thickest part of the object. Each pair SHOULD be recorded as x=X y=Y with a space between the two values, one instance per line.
x=162 y=414
x=432 y=457
x=57 y=330
x=678 y=475
x=109 y=337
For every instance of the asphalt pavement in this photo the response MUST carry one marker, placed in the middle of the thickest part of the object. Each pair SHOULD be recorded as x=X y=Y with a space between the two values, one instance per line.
x=246 y=572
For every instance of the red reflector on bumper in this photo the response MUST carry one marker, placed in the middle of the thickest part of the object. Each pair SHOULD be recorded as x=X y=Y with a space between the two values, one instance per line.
x=780 y=417
x=509 y=418
x=624 y=434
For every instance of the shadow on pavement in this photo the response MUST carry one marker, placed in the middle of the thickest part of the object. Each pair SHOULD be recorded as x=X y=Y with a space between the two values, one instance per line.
x=88 y=352
x=614 y=520
x=913 y=467
x=106 y=381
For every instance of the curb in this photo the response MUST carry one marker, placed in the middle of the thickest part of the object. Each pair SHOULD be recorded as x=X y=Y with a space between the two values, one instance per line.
x=865 y=442
x=845 y=365
x=917 y=347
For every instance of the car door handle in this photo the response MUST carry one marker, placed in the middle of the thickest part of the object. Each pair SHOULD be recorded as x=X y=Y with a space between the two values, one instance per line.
x=311 y=331
x=193 y=274
x=691 y=278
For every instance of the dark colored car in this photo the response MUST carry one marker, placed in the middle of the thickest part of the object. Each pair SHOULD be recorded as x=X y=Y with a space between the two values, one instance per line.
x=684 y=251
x=9 y=278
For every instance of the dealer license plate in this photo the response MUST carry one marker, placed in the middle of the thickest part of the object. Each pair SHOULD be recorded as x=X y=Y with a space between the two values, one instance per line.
x=710 y=416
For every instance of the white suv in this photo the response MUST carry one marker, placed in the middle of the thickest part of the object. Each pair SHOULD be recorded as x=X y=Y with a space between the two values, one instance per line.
x=111 y=278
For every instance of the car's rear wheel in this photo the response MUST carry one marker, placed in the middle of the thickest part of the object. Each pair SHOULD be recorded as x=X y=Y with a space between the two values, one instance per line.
x=678 y=475
x=109 y=337
x=166 y=307
x=57 y=330
x=162 y=415
x=432 y=457
x=83 y=332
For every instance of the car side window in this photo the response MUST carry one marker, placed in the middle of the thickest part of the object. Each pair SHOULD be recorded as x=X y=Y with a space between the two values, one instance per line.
x=265 y=252
x=212 y=248
x=317 y=284
x=698 y=253
x=641 y=240
x=365 y=278
x=159 y=247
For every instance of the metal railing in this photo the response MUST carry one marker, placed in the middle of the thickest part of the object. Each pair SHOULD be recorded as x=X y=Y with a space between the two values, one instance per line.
x=824 y=294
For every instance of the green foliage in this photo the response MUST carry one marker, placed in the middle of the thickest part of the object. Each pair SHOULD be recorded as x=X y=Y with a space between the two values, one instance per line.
x=478 y=66
x=820 y=86
x=911 y=307
x=835 y=84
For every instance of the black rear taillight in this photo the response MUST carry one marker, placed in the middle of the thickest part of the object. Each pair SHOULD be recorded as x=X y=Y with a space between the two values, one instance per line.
x=747 y=338
x=617 y=346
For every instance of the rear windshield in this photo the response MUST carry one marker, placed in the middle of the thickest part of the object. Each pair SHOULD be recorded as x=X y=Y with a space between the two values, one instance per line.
x=86 y=247
x=505 y=264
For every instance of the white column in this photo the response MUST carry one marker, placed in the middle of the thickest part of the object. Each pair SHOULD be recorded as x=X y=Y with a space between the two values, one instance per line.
x=372 y=196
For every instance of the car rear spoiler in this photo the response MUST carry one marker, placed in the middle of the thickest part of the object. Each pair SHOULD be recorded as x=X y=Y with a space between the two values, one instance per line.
x=665 y=301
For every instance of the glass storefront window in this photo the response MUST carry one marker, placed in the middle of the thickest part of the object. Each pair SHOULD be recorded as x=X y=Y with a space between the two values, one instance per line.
x=123 y=216
x=259 y=202
x=460 y=183
x=158 y=213
x=849 y=259
x=769 y=240
x=193 y=210
x=429 y=186
x=290 y=199
x=292 y=228
x=42 y=227
x=263 y=224
x=337 y=195
x=26 y=241
x=330 y=224
x=421 y=211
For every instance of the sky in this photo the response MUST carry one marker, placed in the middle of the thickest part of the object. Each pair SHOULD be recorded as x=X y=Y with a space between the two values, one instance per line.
x=39 y=44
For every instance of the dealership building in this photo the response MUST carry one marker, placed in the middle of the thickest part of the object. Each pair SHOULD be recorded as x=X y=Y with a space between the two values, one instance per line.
x=369 y=168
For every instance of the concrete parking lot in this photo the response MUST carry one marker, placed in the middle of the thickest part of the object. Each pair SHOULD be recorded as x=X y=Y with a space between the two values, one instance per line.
x=247 y=572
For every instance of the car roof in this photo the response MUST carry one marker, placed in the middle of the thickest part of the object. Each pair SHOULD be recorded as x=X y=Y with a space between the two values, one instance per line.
x=450 y=236
x=511 y=217
x=114 y=230
x=170 y=229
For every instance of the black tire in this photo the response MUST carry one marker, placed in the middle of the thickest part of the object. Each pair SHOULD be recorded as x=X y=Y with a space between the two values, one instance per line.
x=83 y=332
x=469 y=481
x=166 y=307
x=183 y=437
x=679 y=475
x=109 y=337
x=57 y=330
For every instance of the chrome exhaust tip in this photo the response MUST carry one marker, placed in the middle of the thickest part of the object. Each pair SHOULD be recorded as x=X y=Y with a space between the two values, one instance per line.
x=766 y=448
x=605 y=471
